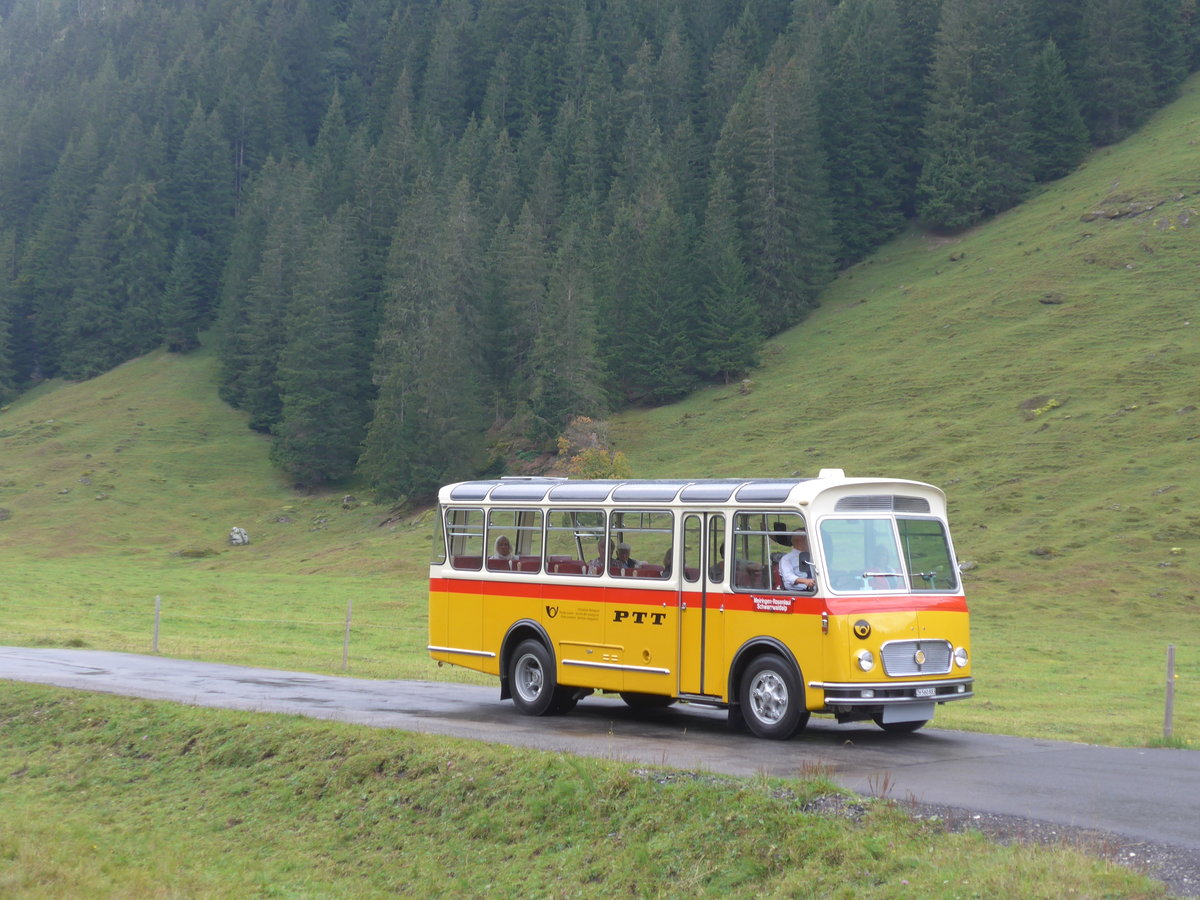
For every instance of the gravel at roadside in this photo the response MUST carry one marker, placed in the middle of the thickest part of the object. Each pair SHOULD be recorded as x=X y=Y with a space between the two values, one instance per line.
x=1177 y=867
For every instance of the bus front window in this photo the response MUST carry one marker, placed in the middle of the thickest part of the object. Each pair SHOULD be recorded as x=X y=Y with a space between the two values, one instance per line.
x=927 y=552
x=877 y=554
x=861 y=555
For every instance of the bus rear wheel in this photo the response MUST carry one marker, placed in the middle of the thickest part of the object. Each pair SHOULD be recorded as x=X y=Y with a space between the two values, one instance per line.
x=532 y=681
x=771 y=699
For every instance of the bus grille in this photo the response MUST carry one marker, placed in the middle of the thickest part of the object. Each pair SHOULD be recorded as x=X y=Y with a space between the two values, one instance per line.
x=902 y=657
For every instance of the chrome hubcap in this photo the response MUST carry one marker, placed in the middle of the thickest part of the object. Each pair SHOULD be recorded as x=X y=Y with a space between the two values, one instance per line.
x=768 y=697
x=528 y=677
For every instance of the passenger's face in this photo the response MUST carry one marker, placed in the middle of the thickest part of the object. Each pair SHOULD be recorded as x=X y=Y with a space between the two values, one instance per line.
x=503 y=546
x=800 y=541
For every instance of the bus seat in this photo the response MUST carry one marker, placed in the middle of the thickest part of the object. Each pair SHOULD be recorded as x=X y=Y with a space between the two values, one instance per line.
x=467 y=562
x=691 y=573
x=529 y=564
x=500 y=565
x=569 y=567
x=648 y=570
x=748 y=575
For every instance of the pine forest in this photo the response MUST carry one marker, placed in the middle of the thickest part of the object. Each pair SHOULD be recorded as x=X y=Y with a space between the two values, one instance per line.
x=422 y=234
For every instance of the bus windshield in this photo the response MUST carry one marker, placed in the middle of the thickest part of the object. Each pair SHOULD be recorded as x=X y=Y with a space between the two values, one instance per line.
x=884 y=554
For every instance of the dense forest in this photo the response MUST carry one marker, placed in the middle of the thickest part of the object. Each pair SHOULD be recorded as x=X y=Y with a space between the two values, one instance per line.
x=426 y=233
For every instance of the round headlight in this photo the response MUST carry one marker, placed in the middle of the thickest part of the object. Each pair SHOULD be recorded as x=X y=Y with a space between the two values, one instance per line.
x=866 y=660
x=960 y=657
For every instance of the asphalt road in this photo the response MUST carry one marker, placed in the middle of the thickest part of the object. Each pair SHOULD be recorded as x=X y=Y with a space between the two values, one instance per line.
x=1147 y=797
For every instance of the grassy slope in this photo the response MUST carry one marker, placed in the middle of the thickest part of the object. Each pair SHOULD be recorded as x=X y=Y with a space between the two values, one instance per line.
x=109 y=797
x=1043 y=370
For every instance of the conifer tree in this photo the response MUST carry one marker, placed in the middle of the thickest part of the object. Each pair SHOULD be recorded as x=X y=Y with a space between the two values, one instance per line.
x=729 y=334
x=43 y=284
x=322 y=373
x=428 y=417
x=8 y=266
x=565 y=370
x=183 y=301
x=786 y=216
x=1058 y=135
x=201 y=199
x=258 y=333
x=1117 y=74
x=861 y=76
x=518 y=271
x=976 y=159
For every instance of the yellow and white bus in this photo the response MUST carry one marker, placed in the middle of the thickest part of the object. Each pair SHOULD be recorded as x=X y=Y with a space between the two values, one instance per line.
x=671 y=590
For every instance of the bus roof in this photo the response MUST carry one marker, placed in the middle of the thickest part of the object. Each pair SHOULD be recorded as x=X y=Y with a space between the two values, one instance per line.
x=693 y=491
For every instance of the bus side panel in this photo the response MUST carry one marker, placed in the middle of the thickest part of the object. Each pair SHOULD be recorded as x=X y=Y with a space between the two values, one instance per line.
x=794 y=620
x=463 y=607
x=573 y=614
x=439 y=625
x=641 y=628
x=504 y=604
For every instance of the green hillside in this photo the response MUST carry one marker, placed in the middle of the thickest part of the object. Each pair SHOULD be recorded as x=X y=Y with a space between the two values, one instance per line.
x=1042 y=369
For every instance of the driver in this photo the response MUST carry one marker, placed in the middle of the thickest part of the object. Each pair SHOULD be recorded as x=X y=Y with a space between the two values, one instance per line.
x=795 y=568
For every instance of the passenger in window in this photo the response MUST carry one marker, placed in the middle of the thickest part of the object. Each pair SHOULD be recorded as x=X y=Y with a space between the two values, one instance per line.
x=716 y=572
x=596 y=566
x=795 y=569
x=667 y=562
x=502 y=551
x=622 y=561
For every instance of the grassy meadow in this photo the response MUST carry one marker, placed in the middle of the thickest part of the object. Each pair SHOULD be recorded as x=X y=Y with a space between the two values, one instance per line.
x=1042 y=369
x=111 y=797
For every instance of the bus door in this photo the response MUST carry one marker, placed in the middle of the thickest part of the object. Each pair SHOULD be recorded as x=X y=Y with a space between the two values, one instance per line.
x=701 y=626
x=464 y=597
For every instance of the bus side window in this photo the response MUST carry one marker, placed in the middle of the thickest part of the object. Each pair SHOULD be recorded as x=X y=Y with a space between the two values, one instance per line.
x=464 y=533
x=570 y=533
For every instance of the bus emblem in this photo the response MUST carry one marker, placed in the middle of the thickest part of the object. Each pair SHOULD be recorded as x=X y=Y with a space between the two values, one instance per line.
x=919 y=657
x=862 y=629
x=552 y=611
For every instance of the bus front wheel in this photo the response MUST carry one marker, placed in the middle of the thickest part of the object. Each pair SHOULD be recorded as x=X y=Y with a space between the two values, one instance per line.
x=771 y=699
x=531 y=678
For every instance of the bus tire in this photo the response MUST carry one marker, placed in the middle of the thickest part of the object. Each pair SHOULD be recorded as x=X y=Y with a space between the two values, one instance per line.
x=532 y=681
x=771 y=698
x=900 y=727
x=642 y=702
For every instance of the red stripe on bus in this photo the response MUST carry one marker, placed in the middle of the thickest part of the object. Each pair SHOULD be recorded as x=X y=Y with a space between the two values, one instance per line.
x=740 y=602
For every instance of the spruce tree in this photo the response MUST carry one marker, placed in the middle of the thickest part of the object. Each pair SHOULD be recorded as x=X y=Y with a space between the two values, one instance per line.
x=1119 y=82
x=976 y=160
x=201 y=196
x=861 y=75
x=183 y=302
x=729 y=335
x=322 y=374
x=786 y=216
x=428 y=417
x=565 y=369
x=1058 y=135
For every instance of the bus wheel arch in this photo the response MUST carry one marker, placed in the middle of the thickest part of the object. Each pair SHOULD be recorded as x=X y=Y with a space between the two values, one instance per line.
x=767 y=687
x=516 y=635
x=529 y=674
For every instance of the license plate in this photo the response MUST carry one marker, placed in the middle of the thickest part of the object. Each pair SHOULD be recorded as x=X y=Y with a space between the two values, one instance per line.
x=927 y=692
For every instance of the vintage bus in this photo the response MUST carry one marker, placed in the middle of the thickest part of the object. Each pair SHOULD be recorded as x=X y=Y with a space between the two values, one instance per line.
x=665 y=591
